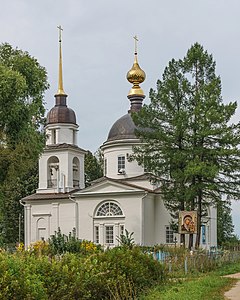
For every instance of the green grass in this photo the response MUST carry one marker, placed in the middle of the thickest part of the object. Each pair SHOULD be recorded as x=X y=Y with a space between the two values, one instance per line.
x=226 y=269
x=201 y=287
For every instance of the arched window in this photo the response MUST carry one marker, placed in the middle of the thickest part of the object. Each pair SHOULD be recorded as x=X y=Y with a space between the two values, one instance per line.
x=76 y=172
x=53 y=171
x=109 y=209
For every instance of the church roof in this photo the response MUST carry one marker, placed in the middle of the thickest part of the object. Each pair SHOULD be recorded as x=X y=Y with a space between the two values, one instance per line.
x=123 y=128
x=48 y=196
x=127 y=183
x=63 y=146
x=60 y=113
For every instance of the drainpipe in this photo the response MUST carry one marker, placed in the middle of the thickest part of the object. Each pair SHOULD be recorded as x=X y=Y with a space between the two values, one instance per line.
x=57 y=170
x=71 y=198
x=63 y=183
x=19 y=228
x=142 y=220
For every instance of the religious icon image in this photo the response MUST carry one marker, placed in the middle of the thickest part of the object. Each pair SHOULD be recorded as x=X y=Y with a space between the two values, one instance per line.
x=187 y=222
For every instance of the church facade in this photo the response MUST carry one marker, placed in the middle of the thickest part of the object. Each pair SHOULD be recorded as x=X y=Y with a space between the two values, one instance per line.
x=125 y=198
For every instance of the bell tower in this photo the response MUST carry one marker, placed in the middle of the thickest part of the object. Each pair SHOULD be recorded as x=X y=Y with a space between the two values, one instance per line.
x=61 y=166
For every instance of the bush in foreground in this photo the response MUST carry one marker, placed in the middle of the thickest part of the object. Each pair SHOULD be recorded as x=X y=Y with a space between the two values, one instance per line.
x=118 y=273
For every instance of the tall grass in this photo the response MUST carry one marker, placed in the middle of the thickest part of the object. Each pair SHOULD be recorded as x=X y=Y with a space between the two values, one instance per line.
x=203 y=288
x=198 y=286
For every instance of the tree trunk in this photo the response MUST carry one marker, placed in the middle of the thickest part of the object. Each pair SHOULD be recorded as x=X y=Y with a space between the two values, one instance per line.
x=199 y=214
x=190 y=241
x=182 y=240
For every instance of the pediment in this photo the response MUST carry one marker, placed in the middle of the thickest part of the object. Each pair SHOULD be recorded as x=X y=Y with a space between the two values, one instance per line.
x=108 y=186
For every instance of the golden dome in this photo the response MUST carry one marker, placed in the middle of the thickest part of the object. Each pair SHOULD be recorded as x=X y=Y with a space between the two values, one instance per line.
x=136 y=76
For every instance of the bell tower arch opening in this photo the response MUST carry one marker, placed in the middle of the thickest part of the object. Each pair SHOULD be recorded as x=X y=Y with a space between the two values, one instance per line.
x=53 y=172
x=76 y=172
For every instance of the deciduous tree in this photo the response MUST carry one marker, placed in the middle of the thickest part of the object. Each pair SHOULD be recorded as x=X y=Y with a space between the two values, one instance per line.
x=93 y=167
x=22 y=85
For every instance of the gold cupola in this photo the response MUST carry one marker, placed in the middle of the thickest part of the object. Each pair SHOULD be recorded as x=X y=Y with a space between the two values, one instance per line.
x=136 y=75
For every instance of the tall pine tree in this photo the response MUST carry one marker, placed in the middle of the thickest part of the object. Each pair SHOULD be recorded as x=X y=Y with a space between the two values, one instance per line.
x=189 y=142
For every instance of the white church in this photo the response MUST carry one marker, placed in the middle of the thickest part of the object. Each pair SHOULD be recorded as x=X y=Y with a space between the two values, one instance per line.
x=123 y=199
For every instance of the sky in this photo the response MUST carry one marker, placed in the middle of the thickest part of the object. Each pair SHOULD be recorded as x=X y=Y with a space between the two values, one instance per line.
x=98 y=48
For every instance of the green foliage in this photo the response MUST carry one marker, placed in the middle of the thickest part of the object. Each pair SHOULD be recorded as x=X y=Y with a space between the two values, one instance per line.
x=225 y=226
x=115 y=274
x=18 y=279
x=22 y=85
x=190 y=144
x=207 y=287
x=126 y=240
x=60 y=243
x=93 y=167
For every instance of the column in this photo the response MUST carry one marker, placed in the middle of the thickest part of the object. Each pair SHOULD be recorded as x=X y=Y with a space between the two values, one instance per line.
x=57 y=136
x=28 y=224
x=55 y=217
x=116 y=234
x=101 y=233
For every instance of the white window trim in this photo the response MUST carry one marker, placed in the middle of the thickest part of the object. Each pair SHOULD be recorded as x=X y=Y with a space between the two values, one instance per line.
x=168 y=228
x=121 y=165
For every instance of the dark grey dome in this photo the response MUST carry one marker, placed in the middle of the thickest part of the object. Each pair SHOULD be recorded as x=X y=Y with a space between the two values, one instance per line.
x=123 y=128
x=60 y=113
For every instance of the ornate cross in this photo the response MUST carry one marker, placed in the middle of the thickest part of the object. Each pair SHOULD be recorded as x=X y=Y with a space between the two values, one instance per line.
x=60 y=33
x=136 y=40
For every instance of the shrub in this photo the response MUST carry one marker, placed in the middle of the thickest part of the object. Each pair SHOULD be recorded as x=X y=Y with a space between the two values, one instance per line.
x=126 y=240
x=17 y=281
x=60 y=243
x=118 y=273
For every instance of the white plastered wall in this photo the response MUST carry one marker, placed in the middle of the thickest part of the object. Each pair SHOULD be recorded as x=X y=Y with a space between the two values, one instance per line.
x=65 y=157
x=64 y=133
x=57 y=214
x=111 y=151
x=148 y=222
x=130 y=205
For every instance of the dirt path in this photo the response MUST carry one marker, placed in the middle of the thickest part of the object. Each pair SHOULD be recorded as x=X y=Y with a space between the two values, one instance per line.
x=234 y=292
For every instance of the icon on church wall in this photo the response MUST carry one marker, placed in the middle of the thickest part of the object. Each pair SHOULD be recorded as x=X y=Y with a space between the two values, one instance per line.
x=187 y=222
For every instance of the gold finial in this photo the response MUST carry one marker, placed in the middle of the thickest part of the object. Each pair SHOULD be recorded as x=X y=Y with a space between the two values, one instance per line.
x=60 y=76
x=136 y=75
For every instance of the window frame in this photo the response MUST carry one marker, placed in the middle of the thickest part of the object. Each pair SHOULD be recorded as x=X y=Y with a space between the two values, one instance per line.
x=121 y=229
x=109 y=234
x=169 y=235
x=121 y=163
x=108 y=209
x=96 y=234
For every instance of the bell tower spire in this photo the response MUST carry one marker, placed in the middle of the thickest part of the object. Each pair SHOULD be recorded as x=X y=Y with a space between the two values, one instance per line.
x=60 y=75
